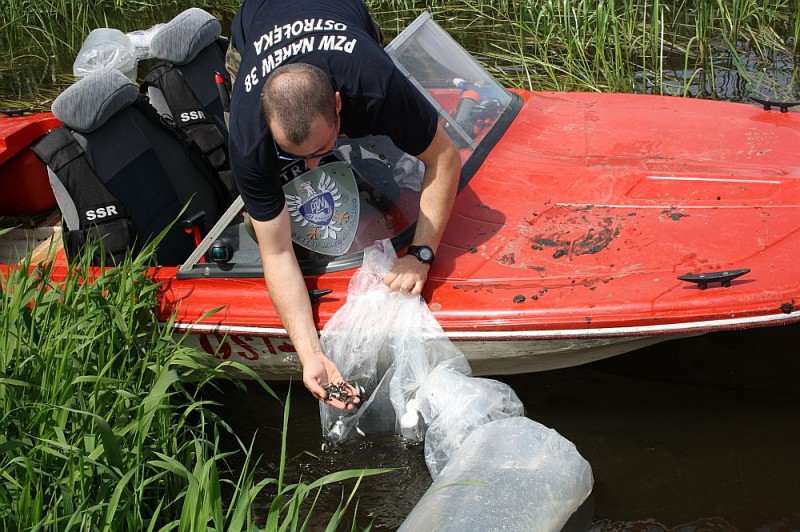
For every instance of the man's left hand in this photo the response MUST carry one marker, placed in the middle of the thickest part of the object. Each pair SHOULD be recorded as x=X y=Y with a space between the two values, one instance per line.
x=408 y=275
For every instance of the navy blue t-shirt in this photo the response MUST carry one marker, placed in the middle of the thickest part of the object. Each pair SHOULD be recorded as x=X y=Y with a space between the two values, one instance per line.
x=337 y=36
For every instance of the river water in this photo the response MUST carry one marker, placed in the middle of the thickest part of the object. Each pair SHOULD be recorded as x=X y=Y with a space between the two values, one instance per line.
x=690 y=435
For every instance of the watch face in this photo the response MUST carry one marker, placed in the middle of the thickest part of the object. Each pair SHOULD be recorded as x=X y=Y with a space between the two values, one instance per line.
x=423 y=253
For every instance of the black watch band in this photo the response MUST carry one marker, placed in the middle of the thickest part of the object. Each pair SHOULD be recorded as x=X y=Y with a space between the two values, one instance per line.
x=422 y=253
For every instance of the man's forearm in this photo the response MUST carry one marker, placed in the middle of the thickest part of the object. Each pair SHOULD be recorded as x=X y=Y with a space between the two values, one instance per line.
x=439 y=187
x=286 y=285
x=289 y=294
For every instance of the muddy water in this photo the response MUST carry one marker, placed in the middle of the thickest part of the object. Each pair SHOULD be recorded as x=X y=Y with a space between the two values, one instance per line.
x=701 y=434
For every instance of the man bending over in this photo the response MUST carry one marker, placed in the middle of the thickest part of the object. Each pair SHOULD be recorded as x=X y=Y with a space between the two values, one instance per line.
x=311 y=71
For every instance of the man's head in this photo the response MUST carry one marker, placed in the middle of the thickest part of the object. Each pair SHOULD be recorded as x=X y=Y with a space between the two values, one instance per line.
x=301 y=109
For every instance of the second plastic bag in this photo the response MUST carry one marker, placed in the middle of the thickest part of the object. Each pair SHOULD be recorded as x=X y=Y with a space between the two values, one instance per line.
x=415 y=378
x=387 y=342
x=106 y=47
x=513 y=474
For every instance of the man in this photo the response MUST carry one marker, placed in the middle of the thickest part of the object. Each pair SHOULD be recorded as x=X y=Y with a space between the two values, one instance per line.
x=311 y=71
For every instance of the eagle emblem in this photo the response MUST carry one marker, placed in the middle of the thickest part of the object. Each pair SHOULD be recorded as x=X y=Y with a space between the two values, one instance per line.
x=324 y=208
x=316 y=207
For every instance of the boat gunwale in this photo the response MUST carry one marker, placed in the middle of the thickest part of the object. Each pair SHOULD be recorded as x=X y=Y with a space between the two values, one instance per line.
x=539 y=334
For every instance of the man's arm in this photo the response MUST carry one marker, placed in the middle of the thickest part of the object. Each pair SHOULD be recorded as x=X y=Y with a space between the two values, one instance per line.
x=289 y=294
x=439 y=187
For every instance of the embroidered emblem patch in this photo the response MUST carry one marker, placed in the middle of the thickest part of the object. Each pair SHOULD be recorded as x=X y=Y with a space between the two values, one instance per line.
x=324 y=208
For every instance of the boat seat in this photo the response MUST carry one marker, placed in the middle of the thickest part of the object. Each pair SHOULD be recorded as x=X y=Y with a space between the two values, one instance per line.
x=193 y=43
x=139 y=160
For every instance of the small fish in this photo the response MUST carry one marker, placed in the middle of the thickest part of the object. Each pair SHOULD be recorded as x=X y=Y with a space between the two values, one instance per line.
x=339 y=392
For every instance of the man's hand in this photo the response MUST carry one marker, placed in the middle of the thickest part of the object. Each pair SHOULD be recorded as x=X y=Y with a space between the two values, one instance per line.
x=290 y=296
x=408 y=275
x=439 y=185
x=318 y=370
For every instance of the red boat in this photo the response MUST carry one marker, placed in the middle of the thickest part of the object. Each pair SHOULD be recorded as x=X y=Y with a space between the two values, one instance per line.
x=587 y=225
x=23 y=178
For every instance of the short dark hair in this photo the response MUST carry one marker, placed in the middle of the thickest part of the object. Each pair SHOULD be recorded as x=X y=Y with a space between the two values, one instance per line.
x=294 y=95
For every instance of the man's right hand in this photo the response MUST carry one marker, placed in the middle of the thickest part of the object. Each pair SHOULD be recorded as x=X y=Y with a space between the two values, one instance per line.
x=318 y=370
x=289 y=294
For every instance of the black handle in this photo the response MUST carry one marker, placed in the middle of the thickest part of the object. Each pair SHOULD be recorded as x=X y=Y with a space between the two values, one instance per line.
x=315 y=295
x=724 y=278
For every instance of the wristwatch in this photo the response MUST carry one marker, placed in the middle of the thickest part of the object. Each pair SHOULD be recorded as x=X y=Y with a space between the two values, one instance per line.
x=423 y=253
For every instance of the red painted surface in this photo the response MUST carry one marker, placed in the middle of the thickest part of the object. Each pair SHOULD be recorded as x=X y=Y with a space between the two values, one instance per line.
x=585 y=213
x=24 y=186
x=581 y=219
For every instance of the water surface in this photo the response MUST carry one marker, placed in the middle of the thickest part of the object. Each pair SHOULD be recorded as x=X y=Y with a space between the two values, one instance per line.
x=691 y=435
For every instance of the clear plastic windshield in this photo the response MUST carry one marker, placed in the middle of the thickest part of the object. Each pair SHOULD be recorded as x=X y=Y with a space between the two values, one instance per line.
x=468 y=99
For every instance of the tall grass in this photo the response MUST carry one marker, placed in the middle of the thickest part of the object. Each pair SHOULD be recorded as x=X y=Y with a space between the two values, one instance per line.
x=684 y=47
x=653 y=46
x=681 y=47
x=103 y=421
x=39 y=26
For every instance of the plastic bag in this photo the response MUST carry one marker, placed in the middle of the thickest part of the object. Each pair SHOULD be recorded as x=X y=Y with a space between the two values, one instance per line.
x=513 y=474
x=416 y=380
x=141 y=40
x=453 y=405
x=387 y=342
x=106 y=47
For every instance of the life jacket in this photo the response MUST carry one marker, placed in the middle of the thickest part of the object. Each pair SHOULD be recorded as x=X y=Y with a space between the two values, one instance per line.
x=188 y=85
x=96 y=213
x=120 y=174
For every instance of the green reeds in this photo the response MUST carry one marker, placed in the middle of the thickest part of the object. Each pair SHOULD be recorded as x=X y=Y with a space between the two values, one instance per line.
x=652 y=46
x=53 y=29
x=95 y=395
x=103 y=421
x=682 y=47
x=44 y=22
x=285 y=513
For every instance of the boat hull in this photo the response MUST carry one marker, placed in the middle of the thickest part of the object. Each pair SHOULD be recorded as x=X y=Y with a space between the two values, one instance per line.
x=572 y=240
x=274 y=358
x=270 y=354
x=569 y=243
x=24 y=185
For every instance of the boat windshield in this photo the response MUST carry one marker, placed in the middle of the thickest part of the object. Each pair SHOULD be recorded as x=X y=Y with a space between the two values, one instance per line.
x=369 y=189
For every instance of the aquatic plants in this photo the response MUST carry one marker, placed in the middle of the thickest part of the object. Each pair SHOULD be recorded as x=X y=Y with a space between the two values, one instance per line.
x=88 y=410
x=711 y=48
x=38 y=26
x=103 y=419
x=39 y=39
x=653 y=46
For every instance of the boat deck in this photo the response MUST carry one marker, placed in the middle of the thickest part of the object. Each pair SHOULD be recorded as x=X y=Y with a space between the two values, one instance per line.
x=29 y=234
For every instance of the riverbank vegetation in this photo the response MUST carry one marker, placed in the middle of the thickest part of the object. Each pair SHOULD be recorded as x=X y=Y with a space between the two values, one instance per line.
x=717 y=49
x=104 y=424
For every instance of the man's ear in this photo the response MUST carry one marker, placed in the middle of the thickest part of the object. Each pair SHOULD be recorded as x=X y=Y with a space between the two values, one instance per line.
x=338 y=96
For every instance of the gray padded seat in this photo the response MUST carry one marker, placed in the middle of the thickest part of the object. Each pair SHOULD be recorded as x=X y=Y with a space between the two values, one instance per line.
x=87 y=105
x=182 y=39
x=193 y=42
x=138 y=160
